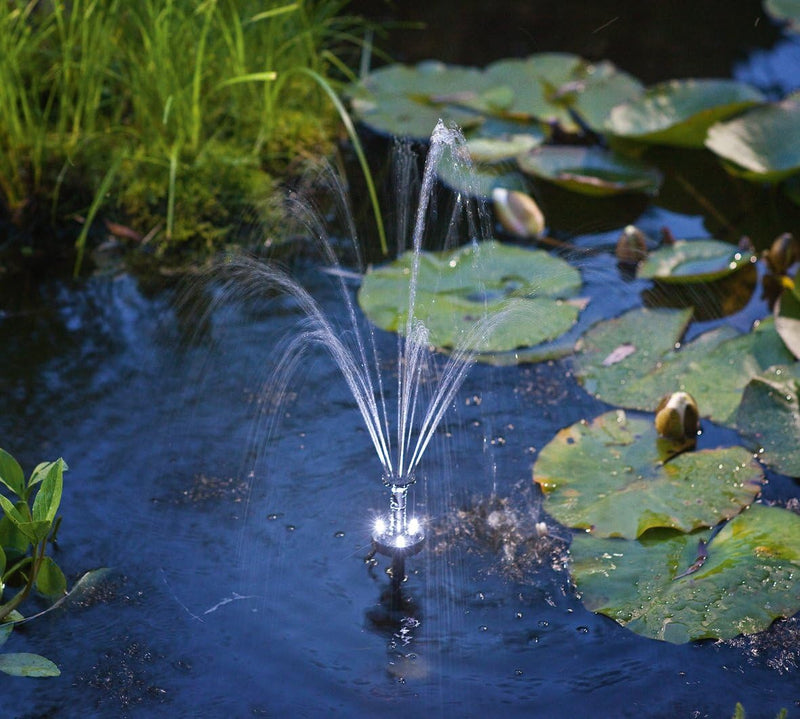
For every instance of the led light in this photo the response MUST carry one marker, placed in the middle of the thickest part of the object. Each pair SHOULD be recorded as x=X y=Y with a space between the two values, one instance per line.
x=400 y=541
x=413 y=526
x=380 y=526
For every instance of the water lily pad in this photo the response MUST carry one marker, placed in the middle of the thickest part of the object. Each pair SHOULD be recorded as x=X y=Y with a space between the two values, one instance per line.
x=551 y=86
x=693 y=261
x=502 y=147
x=481 y=179
x=24 y=664
x=714 y=367
x=787 y=318
x=787 y=11
x=749 y=577
x=679 y=112
x=590 y=170
x=763 y=144
x=615 y=478
x=526 y=288
x=408 y=101
x=769 y=417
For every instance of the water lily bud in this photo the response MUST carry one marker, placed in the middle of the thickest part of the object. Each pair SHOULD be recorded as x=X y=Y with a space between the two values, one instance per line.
x=783 y=253
x=631 y=246
x=518 y=213
x=677 y=416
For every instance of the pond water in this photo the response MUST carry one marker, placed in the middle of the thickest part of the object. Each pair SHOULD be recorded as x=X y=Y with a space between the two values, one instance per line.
x=237 y=581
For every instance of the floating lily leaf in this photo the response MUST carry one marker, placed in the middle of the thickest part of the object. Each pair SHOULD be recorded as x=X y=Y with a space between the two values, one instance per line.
x=590 y=170
x=481 y=179
x=763 y=144
x=679 y=112
x=614 y=477
x=785 y=11
x=24 y=664
x=503 y=147
x=694 y=261
x=456 y=289
x=661 y=587
x=409 y=101
x=787 y=318
x=550 y=86
x=769 y=417
x=714 y=368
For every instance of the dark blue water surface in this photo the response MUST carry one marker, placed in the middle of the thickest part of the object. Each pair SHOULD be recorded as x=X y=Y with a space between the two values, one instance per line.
x=238 y=584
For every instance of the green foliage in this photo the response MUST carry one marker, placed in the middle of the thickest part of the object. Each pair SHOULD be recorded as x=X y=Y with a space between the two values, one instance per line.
x=190 y=104
x=693 y=261
x=526 y=289
x=618 y=478
x=27 y=526
x=680 y=587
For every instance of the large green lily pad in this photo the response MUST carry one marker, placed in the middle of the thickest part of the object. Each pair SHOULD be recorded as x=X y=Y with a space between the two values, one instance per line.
x=614 y=476
x=694 y=261
x=590 y=170
x=525 y=291
x=750 y=577
x=769 y=417
x=762 y=145
x=714 y=367
x=679 y=112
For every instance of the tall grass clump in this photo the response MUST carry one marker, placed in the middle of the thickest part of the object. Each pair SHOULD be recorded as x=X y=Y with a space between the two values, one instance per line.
x=176 y=115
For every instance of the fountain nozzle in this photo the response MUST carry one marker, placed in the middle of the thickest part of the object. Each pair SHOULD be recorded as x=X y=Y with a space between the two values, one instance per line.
x=398 y=536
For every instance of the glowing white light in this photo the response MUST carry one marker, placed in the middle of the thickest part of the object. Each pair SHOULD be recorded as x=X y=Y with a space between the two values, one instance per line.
x=380 y=526
x=413 y=526
x=400 y=541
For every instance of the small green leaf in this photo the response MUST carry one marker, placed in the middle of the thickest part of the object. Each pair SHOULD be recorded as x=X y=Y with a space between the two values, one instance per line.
x=614 y=476
x=5 y=631
x=661 y=587
x=24 y=664
x=11 y=474
x=35 y=531
x=48 y=497
x=50 y=580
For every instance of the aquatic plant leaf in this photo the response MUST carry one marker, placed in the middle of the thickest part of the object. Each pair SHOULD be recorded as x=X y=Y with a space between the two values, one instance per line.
x=480 y=179
x=49 y=476
x=590 y=170
x=787 y=318
x=5 y=631
x=761 y=145
x=504 y=147
x=768 y=417
x=456 y=289
x=11 y=474
x=617 y=477
x=50 y=580
x=679 y=112
x=660 y=587
x=693 y=261
x=408 y=101
x=551 y=86
x=787 y=11
x=714 y=367
x=24 y=664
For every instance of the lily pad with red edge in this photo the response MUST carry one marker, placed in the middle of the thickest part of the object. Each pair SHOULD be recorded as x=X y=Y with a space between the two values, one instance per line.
x=700 y=260
x=749 y=577
x=590 y=170
x=768 y=418
x=616 y=477
x=679 y=112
